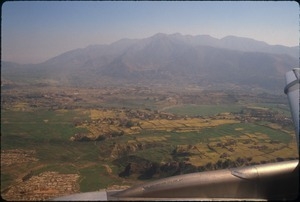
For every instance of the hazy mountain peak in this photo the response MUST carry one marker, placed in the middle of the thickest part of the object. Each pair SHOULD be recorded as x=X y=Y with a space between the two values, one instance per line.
x=243 y=40
x=159 y=35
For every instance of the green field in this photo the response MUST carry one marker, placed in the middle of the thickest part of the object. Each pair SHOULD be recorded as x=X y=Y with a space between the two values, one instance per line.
x=279 y=108
x=31 y=129
x=203 y=110
x=48 y=133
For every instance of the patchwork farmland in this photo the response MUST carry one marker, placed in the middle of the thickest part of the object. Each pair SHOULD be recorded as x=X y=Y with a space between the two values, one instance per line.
x=99 y=141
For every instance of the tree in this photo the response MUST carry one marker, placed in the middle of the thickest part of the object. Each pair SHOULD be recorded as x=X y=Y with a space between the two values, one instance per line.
x=129 y=124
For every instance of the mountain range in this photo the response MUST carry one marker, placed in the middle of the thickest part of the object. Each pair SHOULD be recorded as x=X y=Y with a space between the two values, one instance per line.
x=173 y=59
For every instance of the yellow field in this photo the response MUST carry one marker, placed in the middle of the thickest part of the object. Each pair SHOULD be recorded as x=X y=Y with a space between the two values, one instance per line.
x=287 y=151
x=192 y=124
x=256 y=145
x=21 y=106
x=182 y=125
x=274 y=126
x=255 y=149
x=100 y=114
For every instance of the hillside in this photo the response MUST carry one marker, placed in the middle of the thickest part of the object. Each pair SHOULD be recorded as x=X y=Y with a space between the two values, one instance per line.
x=164 y=59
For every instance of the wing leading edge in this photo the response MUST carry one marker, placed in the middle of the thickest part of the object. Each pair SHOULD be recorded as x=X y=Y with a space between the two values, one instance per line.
x=292 y=91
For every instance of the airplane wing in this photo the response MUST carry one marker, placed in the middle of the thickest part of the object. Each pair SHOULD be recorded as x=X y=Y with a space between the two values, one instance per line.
x=292 y=90
x=272 y=181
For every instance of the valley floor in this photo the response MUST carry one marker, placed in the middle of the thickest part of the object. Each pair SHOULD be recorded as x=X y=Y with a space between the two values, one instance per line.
x=58 y=141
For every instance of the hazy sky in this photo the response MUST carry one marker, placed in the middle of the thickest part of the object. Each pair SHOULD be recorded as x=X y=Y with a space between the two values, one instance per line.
x=33 y=32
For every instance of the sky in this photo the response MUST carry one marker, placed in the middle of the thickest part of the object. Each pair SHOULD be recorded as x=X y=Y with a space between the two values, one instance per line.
x=32 y=32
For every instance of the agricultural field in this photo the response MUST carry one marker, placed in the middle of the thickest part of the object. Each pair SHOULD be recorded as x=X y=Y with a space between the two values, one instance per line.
x=203 y=110
x=105 y=140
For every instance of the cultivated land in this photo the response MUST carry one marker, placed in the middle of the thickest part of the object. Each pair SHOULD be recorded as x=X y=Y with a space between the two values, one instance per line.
x=57 y=141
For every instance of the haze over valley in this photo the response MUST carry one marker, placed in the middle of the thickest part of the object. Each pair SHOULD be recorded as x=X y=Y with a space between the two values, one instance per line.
x=174 y=59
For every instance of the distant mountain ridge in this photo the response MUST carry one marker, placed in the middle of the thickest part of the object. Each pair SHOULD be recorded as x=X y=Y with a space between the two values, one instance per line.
x=162 y=58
